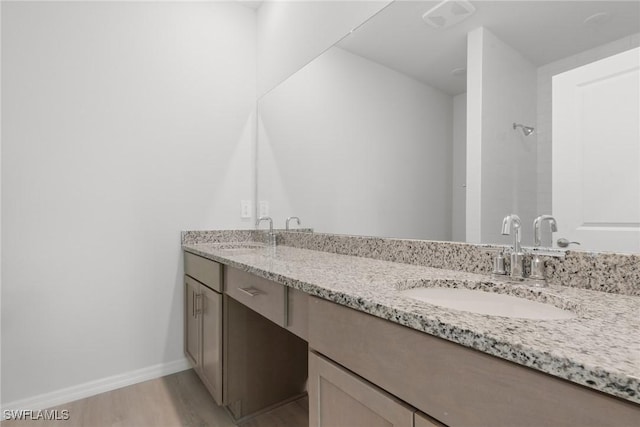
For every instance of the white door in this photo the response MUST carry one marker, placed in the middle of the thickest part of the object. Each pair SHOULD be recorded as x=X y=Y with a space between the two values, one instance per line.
x=596 y=153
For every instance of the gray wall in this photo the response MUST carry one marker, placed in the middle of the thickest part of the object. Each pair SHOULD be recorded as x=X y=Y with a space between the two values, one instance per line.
x=354 y=147
x=124 y=123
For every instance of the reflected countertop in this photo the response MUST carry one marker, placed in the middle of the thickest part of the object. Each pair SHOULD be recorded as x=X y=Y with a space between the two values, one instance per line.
x=599 y=348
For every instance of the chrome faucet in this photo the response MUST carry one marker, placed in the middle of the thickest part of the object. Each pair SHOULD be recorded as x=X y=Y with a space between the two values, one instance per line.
x=509 y=221
x=536 y=227
x=272 y=236
x=289 y=219
x=517 y=256
x=537 y=263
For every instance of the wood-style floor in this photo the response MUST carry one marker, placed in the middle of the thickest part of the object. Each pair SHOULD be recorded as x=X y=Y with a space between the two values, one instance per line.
x=178 y=400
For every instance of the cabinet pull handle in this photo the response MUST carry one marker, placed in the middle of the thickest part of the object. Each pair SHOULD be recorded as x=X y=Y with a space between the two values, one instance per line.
x=193 y=304
x=252 y=292
x=198 y=304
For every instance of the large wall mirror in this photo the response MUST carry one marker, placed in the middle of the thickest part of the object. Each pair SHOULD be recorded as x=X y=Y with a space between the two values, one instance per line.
x=436 y=126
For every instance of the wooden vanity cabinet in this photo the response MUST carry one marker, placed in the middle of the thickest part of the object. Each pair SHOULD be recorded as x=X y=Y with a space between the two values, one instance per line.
x=250 y=339
x=453 y=384
x=203 y=322
x=241 y=350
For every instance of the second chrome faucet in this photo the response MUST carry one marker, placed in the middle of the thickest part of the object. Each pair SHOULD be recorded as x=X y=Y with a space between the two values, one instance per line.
x=537 y=263
x=289 y=219
x=272 y=236
x=509 y=223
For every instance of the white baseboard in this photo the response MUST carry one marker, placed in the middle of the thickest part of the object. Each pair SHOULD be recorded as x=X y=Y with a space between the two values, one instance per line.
x=91 y=388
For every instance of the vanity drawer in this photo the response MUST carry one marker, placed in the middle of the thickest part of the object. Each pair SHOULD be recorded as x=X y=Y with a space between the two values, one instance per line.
x=261 y=295
x=203 y=270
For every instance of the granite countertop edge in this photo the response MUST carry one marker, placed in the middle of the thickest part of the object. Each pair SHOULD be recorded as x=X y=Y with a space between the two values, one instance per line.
x=601 y=378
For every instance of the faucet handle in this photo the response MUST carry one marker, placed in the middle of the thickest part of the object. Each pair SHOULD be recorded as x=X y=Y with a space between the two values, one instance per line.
x=538 y=271
x=564 y=243
x=498 y=264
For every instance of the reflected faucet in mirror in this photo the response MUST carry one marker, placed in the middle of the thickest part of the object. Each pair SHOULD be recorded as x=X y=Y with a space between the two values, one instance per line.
x=537 y=263
x=289 y=219
x=537 y=239
x=272 y=236
x=517 y=256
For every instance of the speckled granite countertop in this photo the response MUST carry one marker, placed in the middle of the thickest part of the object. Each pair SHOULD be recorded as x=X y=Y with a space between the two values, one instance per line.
x=600 y=348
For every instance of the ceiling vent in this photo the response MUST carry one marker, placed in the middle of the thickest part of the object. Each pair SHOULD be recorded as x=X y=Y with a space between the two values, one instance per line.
x=448 y=13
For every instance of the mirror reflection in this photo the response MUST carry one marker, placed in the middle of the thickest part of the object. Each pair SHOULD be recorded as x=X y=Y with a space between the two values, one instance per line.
x=435 y=122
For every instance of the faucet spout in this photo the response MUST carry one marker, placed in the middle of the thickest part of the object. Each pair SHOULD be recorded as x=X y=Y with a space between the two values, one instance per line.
x=289 y=219
x=265 y=218
x=513 y=221
x=537 y=225
x=517 y=257
x=272 y=235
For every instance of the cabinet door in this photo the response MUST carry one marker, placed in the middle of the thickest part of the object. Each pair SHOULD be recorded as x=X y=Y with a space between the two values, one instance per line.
x=338 y=398
x=192 y=323
x=211 y=364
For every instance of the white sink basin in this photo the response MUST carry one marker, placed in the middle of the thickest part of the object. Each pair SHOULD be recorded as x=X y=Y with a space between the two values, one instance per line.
x=490 y=303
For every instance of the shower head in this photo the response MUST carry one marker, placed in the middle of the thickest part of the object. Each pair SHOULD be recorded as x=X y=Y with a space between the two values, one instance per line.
x=526 y=130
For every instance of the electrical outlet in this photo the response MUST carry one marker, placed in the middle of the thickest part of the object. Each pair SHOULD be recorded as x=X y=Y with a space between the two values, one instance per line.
x=263 y=208
x=245 y=209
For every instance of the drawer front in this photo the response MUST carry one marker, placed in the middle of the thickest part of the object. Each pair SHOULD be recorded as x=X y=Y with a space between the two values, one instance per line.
x=261 y=295
x=203 y=270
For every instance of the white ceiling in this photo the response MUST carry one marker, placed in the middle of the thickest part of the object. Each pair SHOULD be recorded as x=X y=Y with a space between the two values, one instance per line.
x=543 y=31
